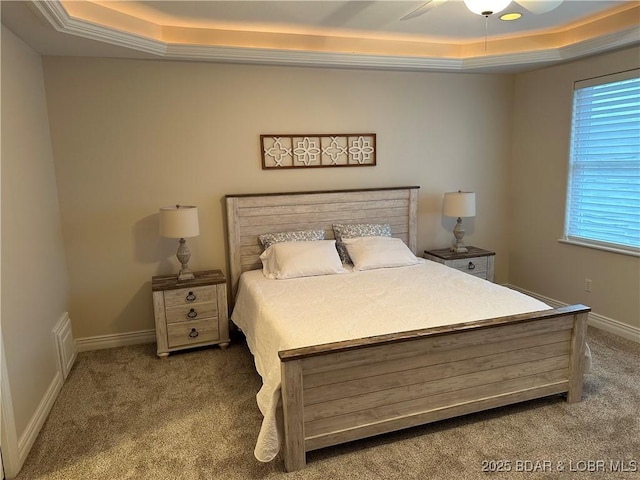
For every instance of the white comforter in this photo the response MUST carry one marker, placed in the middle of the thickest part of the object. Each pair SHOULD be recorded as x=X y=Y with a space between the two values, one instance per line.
x=281 y=314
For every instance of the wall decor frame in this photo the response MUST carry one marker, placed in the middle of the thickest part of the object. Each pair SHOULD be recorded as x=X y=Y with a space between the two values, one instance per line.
x=283 y=151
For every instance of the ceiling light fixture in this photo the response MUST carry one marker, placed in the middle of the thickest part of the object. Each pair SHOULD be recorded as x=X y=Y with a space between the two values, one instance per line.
x=540 y=6
x=510 y=16
x=486 y=7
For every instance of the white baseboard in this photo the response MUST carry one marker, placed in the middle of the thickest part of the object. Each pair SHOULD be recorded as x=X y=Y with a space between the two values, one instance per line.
x=65 y=346
x=618 y=328
x=595 y=320
x=25 y=442
x=115 y=340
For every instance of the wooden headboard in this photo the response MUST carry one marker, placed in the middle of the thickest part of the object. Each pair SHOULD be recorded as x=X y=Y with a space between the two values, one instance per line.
x=254 y=214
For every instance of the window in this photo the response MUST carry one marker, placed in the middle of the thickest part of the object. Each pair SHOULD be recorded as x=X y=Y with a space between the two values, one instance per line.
x=603 y=195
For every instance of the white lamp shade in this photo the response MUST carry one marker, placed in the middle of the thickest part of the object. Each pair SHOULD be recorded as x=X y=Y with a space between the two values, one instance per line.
x=540 y=6
x=459 y=204
x=179 y=221
x=488 y=7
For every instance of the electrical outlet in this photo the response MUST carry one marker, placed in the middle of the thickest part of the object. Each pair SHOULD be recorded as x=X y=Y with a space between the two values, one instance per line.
x=587 y=285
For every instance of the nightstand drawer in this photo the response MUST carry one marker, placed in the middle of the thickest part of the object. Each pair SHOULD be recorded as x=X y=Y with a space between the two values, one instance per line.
x=187 y=296
x=476 y=266
x=187 y=313
x=194 y=332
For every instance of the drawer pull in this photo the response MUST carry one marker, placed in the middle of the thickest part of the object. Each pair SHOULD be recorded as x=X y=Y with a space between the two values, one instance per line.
x=192 y=313
x=471 y=266
x=193 y=333
x=191 y=297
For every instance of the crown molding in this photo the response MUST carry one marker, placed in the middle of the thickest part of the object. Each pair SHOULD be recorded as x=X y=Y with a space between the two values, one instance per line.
x=57 y=16
x=595 y=45
x=568 y=52
x=265 y=56
x=54 y=12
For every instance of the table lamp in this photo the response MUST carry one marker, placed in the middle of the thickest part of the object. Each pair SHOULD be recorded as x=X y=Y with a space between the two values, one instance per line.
x=459 y=204
x=180 y=222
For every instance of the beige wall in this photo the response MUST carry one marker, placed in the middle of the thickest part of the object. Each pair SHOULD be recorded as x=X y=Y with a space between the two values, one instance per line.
x=130 y=136
x=34 y=275
x=537 y=261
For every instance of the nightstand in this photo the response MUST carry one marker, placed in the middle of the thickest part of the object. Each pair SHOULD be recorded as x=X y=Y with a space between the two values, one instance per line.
x=190 y=313
x=476 y=261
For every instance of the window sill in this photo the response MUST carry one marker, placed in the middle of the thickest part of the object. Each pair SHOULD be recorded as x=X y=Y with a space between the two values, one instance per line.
x=600 y=247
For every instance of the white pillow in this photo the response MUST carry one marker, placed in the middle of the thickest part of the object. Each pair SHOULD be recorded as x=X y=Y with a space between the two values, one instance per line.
x=353 y=230
x=301 y=259
x=368 y=253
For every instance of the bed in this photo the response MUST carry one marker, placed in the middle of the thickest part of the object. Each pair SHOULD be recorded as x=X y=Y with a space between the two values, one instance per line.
x=400 y=373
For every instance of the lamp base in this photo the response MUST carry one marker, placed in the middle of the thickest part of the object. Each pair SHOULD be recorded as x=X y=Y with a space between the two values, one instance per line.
x=185 y=274
x=184 y=254
x=459 y=248
x=458 y=232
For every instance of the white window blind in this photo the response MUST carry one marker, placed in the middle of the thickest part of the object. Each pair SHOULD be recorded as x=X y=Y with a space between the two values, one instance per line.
x=603 y=195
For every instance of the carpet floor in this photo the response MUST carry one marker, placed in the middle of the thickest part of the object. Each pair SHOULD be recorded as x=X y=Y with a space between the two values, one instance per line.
x=125 y=414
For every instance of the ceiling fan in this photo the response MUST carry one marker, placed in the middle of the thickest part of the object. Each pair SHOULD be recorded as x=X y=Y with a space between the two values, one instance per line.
x=488 y=7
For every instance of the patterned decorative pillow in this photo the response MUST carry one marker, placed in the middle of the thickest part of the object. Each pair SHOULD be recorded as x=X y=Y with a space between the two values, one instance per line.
x=354 y=230
x=268 y=239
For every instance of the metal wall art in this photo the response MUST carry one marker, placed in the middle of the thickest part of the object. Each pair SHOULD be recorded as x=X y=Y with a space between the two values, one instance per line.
x=313 y=151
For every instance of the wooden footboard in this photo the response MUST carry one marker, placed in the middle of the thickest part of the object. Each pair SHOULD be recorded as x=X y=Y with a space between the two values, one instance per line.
x=344 y=391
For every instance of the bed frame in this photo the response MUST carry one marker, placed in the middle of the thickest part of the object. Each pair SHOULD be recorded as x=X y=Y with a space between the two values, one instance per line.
x=344 y=391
